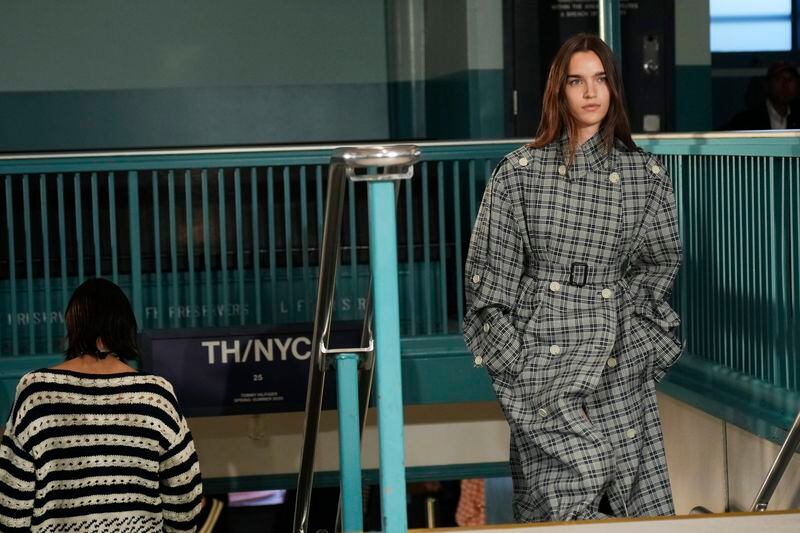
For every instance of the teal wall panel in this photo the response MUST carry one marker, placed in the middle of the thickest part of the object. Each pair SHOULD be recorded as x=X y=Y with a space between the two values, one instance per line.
x=214 y=116
x=465 y=105
x=693 y=98
x=486 y=103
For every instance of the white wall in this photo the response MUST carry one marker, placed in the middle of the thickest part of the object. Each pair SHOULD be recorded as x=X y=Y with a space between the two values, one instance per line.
x=711 y=463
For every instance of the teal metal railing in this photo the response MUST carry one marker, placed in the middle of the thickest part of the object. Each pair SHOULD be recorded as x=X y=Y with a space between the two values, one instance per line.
x=231 y=237
x=220 y=238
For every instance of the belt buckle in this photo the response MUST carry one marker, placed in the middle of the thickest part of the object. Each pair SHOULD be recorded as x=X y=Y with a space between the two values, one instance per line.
x=572 y=273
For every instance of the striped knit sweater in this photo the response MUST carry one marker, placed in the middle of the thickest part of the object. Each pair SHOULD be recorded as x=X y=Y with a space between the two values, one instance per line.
x=97 y=453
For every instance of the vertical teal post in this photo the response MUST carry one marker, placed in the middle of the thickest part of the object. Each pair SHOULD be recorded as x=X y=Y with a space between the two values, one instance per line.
x=610 y=27
x=136 y=247
x=349 y=442
x=383 y=258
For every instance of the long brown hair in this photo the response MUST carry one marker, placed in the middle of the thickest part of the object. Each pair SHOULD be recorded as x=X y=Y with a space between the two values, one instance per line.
x=556 y=117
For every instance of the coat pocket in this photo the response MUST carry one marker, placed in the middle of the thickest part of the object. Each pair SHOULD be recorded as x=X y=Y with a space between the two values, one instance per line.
x=528 y=304
x=500 y=343
x=666 y=348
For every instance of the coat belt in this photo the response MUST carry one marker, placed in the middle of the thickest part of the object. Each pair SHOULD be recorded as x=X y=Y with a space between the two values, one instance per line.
x=577 y=274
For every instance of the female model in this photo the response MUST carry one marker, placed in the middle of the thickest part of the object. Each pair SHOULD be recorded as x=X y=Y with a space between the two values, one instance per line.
x=570 y=265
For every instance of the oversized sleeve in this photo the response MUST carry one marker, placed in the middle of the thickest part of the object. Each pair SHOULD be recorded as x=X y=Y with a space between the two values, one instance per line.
x=180 y=482
x=17 y=479
x=494 y=268
x=652 y=272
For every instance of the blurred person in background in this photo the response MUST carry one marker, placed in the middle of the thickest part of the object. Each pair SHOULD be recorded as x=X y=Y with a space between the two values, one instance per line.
x=778 y=110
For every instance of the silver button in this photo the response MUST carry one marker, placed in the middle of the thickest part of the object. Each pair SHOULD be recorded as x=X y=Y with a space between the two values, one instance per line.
x=486 y=327
x=523 y=162
x=555 y=349
x=555 y=286
x=478 y=360
x=607 y=293
x=630 y=433
x=655 y=169
x=562 y=170
x=612 y=362
x=476 y=279
x=613 y=178
x=543 y=412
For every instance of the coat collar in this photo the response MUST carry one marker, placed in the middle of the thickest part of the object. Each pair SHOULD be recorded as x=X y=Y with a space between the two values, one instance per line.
x=591 y=155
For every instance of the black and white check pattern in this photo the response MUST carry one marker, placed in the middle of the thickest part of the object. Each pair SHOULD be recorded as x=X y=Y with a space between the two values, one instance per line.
x=574 y=367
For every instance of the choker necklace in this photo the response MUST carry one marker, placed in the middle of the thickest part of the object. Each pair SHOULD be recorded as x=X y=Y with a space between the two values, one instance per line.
x=100 y=354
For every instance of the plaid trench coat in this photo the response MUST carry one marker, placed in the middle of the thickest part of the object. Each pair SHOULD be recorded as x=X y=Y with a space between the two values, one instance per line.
x=567 y=276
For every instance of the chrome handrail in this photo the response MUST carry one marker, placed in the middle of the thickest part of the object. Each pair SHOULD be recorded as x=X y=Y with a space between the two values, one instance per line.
x=778 y=467
x=397 y=163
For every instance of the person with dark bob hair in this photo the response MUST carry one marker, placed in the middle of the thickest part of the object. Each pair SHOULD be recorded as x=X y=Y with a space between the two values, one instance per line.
x=100 y=310
x=568 y=275
x=93 y=445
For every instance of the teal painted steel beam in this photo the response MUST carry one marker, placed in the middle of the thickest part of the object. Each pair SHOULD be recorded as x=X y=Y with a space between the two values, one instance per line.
x=349 y=442
x=610 y=26
x=388 y=385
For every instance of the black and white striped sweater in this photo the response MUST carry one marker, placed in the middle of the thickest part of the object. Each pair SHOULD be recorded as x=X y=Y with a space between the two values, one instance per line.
x=97 y=453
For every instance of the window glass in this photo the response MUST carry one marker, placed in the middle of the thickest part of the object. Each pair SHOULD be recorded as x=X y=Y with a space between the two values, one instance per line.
x=744 y=25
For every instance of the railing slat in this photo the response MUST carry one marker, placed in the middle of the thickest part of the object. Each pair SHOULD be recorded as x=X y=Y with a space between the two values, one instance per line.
x=254 y=217
x=237 y=181
x=112 y=227
x=308 y=285
x=411 y=281
x=442 y=245
x=62 y=240
x=287 y=233
x=79 y=225
x=26 y=220
x=12 y=267
x=208 y=318
x=273 y=254
x=160 y=311
x=98 y=271
x=175 y=304
x=135 y=246
x=426 y=252
x=48 y=301
x=192 y=288
x=457 y=259
x=223 y=244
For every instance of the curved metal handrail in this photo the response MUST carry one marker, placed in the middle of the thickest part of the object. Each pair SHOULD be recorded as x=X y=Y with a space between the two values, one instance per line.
x=397 y=162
